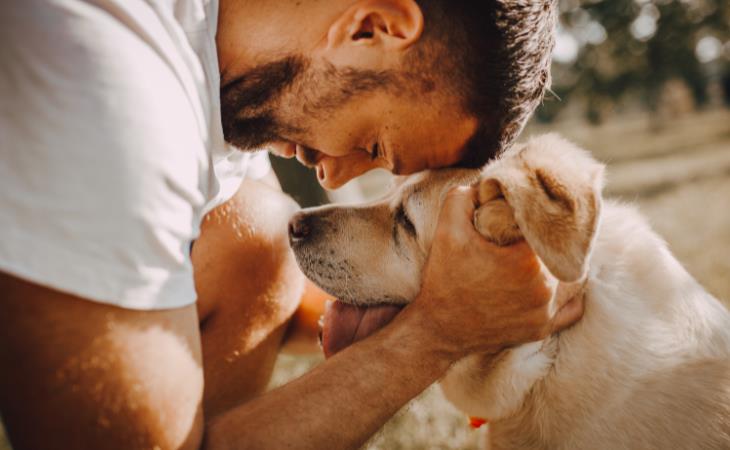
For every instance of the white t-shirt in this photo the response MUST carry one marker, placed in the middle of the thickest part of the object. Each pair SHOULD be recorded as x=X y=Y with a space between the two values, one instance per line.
x=111 y=148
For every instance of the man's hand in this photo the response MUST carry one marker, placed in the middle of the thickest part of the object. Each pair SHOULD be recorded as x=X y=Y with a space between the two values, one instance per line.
x=479 y=297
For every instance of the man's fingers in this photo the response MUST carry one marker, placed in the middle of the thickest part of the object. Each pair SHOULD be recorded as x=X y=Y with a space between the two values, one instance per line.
x=566 y=292
x=457 y=216
x=569 y=314
x=569 y=300
x=459 y=204
x=457 y=219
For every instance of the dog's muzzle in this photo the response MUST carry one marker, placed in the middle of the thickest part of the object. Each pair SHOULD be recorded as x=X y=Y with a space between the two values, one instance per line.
x=301 y=228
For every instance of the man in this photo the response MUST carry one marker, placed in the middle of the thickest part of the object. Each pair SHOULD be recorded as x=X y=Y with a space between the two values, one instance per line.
x=111 y=130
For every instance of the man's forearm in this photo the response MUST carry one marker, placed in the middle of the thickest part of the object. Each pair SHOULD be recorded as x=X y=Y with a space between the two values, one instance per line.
x=340 y=403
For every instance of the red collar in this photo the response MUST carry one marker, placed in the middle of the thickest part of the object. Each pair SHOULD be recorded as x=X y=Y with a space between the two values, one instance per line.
x=476 y=422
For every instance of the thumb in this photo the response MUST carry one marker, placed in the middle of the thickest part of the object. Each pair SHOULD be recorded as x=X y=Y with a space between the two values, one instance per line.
x=568 y=314
x=459 y=205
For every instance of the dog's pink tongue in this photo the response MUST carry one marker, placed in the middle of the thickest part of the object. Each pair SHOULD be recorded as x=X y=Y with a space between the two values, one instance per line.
x=346 y=324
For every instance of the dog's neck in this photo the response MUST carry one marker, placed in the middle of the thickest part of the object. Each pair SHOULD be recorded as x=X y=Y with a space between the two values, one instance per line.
x=495 y=386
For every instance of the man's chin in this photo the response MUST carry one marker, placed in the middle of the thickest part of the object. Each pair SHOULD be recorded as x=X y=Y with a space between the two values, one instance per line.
x=246 y=147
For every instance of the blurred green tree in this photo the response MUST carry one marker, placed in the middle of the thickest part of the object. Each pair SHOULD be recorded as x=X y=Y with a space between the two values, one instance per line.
x=611 y=50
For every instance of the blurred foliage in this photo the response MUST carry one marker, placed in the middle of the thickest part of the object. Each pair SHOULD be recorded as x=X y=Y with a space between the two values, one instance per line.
x=616 y=51
x=298 y=181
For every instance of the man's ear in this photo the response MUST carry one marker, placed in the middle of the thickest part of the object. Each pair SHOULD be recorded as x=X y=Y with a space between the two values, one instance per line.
x=387 y=24
x=553 y=193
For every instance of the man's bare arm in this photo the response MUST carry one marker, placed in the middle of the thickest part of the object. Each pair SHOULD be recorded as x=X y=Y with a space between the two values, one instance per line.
x=498 y=300
x=343 y=401
x=80 y=374
x=87 y=375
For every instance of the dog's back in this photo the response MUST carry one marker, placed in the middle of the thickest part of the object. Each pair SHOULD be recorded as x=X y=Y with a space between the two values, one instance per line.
x=647 y=367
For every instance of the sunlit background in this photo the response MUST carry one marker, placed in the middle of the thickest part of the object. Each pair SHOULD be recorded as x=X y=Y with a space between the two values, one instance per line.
x=645 y=86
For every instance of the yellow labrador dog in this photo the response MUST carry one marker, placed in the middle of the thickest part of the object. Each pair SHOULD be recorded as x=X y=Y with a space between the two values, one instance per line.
x=648 y=366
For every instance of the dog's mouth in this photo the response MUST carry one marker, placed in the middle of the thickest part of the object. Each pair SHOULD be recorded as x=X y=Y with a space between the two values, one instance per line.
x=344 y=324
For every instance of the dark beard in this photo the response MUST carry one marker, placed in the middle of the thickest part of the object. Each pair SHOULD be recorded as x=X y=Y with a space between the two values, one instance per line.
x=248 y=103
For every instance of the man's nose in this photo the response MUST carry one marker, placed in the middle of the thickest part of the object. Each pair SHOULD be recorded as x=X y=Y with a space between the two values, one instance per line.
x=334 y=172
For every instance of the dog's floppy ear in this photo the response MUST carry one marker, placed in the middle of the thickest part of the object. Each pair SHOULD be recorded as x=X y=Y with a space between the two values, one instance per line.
x=549 y=192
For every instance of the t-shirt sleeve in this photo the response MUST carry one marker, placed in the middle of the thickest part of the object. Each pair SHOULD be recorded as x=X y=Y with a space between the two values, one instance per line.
x=258 y=166
x=102 y=157
x=235 y=167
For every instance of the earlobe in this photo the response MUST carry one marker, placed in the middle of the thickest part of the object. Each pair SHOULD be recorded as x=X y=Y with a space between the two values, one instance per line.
x=553 y=190
x=390 y=24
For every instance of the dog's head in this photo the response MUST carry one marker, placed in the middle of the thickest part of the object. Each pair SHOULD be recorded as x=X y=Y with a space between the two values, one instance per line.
x=373 y=253
x=546 y=191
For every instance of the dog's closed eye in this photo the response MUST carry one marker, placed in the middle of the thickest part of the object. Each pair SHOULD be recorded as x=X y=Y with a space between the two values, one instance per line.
x=402 y=219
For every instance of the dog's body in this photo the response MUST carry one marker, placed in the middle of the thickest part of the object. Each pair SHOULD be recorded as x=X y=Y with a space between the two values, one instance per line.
x=648 y=366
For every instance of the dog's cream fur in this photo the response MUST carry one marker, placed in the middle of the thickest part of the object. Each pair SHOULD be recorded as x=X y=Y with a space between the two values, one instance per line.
x=647 y=367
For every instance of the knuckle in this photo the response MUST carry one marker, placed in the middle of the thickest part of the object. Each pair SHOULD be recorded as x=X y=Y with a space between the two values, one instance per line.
x=451 y=234
x=456 y=195
x=458 y=238
x=536 y=329
x=442 y=235
x=539 y=334
x=456 y=191
x=526 y=262
x=451 y=195
x=539 y=326
x=540 y=296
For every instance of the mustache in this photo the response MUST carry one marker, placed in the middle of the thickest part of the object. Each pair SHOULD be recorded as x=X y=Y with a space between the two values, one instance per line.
x=248 y=103
x=252 y=133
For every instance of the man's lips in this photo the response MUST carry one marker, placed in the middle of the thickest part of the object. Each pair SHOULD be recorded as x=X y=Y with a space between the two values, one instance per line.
x=283 y=149
x=310 y=157
x=305 y=155
x=345 y=324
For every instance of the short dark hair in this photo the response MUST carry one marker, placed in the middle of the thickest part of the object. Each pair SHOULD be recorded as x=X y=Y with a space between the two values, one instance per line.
x=495 y=56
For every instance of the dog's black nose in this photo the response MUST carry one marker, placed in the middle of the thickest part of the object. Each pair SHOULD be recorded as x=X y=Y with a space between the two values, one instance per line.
x=300 y=227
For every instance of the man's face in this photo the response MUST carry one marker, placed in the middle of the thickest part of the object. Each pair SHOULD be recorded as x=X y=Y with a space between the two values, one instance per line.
x=344 y=122
x=345 y=85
